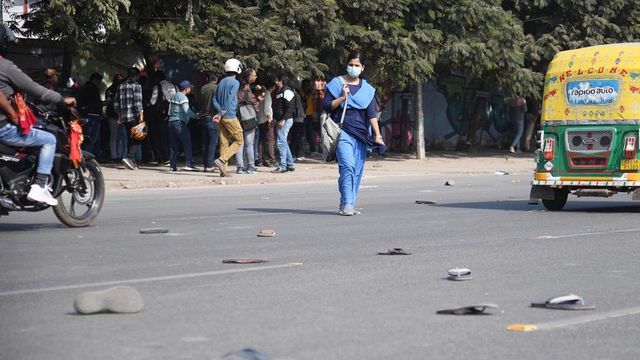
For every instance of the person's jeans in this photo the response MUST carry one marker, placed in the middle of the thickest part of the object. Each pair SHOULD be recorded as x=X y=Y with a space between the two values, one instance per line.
x=10 y=135
x=256 y=143
x=350 y=155
x=117 y=139
x=231 y=138
x=286 y=160
x=246 y=151
x=519 y=129
x=134 y=145
x=92 y=130
x=209 y=140
x=179 y=131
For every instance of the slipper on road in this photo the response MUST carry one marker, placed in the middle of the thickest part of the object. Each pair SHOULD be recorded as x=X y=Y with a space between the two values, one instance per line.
x=564 y=302
x=394 y=251
x=244 y=261
x=478 y=309
x=459 y=274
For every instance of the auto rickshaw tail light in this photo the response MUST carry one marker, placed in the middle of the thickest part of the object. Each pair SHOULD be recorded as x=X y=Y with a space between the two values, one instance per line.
x=630 y=147
x=549 y=148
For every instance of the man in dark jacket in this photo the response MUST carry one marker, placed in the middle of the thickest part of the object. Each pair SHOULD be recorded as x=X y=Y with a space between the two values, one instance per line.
x=283 y=111
x=91 y=107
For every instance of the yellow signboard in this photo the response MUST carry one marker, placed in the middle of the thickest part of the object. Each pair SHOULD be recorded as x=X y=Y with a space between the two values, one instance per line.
x=598 y=84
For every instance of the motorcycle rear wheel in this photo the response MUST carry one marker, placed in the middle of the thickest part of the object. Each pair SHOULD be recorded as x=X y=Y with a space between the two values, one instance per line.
x=77 y=209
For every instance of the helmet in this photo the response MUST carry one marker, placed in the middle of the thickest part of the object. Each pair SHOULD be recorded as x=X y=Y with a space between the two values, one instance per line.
x=139 y=132
x=233 y=65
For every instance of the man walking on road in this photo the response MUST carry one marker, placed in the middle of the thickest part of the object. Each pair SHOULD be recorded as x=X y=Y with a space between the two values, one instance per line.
x=128 y=106
x=226 y=102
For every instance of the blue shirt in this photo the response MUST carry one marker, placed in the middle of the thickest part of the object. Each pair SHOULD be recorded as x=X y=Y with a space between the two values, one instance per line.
x=226 y=97
x=179 y=109
x=356 y=121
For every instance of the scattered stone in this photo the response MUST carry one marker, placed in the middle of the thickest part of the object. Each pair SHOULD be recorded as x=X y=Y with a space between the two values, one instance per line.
x=501 y=172
x=127 y=186
x=450 y=183
x=154 y=231
x=118 y=299
x=171 y=184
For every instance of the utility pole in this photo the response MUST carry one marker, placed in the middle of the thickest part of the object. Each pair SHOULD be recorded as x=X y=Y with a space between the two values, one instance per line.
x=419 y=128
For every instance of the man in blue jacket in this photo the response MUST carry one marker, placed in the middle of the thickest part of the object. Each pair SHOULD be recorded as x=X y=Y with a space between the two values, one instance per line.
x=225 y=102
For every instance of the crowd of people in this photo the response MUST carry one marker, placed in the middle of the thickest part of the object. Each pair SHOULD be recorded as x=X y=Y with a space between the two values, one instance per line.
x=277 y=123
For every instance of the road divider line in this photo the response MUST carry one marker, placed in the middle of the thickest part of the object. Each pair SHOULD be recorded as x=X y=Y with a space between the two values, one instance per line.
x=574 y=321
x=150 y=279
x=587 y=234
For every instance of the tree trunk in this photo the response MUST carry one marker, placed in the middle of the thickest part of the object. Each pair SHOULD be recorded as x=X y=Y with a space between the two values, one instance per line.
x=419 y=135
x=69 y=51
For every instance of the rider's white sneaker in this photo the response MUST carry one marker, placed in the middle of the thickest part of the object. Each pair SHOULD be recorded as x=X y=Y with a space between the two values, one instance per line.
x=41 y=194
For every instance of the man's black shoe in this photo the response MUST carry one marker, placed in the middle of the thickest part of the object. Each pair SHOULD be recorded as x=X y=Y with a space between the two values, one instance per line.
x=291 y=168
x=279 y=171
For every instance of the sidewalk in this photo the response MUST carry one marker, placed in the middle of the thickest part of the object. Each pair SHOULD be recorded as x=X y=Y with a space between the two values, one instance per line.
x=311 y=170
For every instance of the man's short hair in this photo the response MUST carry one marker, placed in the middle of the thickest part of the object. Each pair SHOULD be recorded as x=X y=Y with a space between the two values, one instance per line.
x=95 y=76
x=133 y=72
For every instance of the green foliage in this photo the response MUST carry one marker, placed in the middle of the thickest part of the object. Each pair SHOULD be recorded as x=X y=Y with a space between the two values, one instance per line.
x=496 y=43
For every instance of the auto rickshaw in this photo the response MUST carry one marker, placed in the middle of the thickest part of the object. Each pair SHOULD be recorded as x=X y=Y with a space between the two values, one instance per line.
x=590 y=125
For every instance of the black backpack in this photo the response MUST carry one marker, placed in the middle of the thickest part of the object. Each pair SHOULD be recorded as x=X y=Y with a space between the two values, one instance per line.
x=162 y=104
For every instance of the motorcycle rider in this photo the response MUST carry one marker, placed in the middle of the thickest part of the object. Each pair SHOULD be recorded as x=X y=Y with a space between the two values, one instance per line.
x=12 y=79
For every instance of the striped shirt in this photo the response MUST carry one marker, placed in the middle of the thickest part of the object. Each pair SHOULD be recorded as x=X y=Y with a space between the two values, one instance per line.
x=128 y=101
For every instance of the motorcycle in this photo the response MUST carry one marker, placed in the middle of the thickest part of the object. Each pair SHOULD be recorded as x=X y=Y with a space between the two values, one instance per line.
x=76 y=179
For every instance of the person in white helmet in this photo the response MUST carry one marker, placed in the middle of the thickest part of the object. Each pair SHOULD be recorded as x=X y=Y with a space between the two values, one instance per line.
x=226 y=103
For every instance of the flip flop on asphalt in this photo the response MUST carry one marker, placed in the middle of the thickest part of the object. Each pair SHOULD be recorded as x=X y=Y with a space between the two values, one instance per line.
x=118 y=299
x=394 y=251
x=459 y=274
x=564 y=302
x=154 y=231
x=244 y=261
x=267 y=233
x=478 y=309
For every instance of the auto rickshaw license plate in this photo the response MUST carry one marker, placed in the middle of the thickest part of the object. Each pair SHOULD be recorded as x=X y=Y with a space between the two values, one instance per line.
x=629 y=164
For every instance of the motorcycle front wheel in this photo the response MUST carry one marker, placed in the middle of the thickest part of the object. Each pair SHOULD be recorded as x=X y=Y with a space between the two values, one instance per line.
x=79 y=206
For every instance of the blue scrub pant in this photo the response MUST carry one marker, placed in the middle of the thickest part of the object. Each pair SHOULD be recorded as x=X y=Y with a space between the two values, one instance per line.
x=350 y=155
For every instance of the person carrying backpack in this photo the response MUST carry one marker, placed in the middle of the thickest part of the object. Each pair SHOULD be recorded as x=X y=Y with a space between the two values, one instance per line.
x=162 y=93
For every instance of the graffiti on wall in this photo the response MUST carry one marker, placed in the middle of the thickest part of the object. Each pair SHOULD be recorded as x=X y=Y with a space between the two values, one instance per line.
x=448 y=106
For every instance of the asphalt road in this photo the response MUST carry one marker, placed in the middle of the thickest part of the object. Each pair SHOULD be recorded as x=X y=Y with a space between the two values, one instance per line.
x=344 y=302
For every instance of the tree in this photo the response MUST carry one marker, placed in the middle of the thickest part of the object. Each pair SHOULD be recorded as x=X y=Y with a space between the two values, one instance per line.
x=553 y=26
x=81 y=25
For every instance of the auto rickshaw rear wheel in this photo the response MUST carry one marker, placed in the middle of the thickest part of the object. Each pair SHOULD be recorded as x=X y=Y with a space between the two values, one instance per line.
x=559 y=200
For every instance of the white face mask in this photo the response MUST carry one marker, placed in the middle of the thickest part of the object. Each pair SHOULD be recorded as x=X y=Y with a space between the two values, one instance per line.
x=354 y=71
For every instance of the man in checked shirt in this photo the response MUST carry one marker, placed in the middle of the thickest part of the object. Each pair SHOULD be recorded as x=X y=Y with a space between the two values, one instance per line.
x=128 y=107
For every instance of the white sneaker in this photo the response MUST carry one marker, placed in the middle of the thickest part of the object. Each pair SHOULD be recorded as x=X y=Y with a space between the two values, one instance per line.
x=41 y=194
x=190 y=168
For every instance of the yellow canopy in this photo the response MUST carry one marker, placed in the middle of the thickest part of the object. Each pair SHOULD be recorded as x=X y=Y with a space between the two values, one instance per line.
x=594 y=85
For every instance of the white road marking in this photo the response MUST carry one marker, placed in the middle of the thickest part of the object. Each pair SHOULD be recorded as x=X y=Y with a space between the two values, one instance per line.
x=368 y=186
x=587 y=319
x=587 y=234
x=149 y=279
